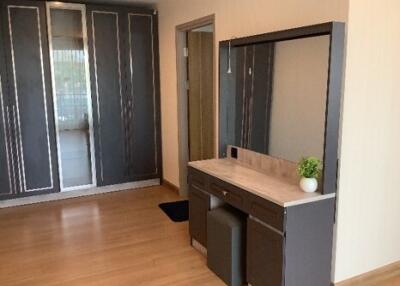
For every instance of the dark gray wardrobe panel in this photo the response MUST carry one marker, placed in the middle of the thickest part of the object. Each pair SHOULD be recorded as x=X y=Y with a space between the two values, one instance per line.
x=6 y=173
x=107 y=88
x=5 y=152
x=142 y=100
x=30 y=92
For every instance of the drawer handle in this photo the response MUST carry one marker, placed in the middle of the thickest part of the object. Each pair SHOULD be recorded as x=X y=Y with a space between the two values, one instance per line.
x=219 y=189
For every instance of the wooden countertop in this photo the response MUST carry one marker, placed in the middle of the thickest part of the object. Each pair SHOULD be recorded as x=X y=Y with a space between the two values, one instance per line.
x=268 y=187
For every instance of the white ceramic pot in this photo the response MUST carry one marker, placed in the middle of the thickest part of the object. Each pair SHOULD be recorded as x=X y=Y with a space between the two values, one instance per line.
x=309 y=185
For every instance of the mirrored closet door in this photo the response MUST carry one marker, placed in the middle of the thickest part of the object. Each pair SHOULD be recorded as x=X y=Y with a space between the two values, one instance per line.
x=72 y=96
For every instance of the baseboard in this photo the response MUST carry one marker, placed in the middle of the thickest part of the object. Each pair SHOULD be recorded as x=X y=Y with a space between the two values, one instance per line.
x=78 y=193
x=170 y=186
x=376 y=275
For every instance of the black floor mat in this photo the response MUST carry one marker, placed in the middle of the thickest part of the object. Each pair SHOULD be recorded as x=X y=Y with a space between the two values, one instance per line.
x=176 y=211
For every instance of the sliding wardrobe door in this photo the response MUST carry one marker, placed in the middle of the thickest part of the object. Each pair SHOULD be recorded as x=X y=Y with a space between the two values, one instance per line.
x=143 y=99
x=6 y=165
x=24 y=26
x=106 y=59
x=72 y=95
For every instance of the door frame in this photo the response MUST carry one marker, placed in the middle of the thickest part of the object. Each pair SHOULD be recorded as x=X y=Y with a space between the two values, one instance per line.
x=181 y=68
x=82 y=8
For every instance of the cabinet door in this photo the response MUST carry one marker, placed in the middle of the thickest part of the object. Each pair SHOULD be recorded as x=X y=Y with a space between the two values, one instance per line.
x=199 y=205
x=264 y=255
x=28 y=69
x=143 y=97
x=105 y=35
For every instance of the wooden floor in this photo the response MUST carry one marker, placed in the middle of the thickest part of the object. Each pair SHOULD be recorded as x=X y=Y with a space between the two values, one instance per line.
x=113 y=239
x=386 y=276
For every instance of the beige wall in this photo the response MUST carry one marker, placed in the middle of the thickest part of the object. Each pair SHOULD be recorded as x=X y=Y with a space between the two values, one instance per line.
x=299 y=97
x=234 y=18
x=368 y=224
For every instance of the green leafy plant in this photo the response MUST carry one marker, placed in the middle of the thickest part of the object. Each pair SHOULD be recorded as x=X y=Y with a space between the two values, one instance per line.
x=309 y=167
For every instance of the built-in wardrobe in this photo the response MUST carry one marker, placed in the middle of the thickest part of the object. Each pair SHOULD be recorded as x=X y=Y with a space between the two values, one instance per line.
x=79 y=99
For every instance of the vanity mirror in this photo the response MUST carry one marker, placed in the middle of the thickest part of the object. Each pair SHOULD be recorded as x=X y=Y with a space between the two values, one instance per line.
x=280 y=94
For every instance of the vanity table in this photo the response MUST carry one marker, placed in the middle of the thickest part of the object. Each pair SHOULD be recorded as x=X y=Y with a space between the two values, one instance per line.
x=279 y=100
x=289 y=232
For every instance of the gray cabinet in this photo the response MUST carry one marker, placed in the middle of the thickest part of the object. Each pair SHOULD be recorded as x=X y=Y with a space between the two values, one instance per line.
x=286 y=246
x=29 y=108
x=124 y=75
x=264 y=255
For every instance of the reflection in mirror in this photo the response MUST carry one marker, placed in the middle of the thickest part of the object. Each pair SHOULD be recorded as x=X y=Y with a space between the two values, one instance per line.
x=72 y=97
x=273 y=99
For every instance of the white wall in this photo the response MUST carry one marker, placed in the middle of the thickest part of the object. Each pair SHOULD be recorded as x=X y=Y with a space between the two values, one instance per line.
x=297 y=125
x=234 y=18
x=368 y=224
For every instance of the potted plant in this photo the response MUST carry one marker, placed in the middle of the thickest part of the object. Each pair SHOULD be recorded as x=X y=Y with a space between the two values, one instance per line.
x=309 y=169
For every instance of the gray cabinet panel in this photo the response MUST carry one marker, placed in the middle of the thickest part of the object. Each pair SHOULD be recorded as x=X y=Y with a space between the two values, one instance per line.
x=107 y=89
x=264 y=255
x=308 y=247
x=142 y=119
x=30 y=95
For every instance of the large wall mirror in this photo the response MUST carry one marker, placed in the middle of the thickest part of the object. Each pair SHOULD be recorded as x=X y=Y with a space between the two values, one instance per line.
x=280 y=94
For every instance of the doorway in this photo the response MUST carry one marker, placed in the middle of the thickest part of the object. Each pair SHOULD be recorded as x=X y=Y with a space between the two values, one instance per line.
x=196 y=94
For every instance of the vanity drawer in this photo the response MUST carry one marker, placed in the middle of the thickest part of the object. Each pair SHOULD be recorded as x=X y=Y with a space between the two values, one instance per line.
x=197 y=178
x=228 y=193
x=266 y=211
